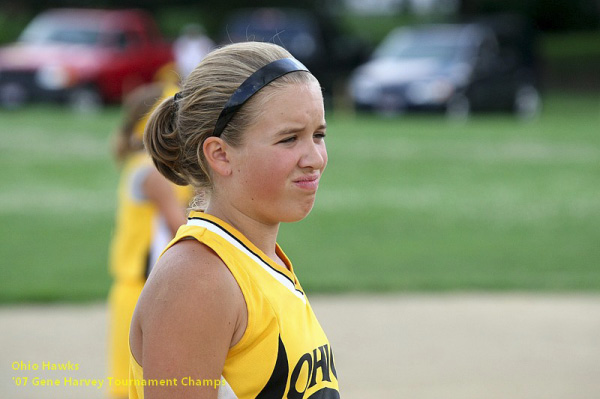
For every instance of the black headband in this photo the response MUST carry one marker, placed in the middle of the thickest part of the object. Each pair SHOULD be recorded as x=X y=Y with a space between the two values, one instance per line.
x=253 y=84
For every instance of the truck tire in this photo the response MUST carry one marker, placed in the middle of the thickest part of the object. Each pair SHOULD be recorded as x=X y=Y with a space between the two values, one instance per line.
x=85 y=99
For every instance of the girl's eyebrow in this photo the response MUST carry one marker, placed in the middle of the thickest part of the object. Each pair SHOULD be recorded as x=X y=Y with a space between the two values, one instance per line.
x=291 y=130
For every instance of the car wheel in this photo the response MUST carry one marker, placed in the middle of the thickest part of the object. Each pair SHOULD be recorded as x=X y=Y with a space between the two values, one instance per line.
x=85 y=99
x=527 y=103
x=12 y=95
x=458 y=107
x=389 y=105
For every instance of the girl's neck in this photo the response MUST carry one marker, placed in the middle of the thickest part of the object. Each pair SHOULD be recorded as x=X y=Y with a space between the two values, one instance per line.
x=262 y=235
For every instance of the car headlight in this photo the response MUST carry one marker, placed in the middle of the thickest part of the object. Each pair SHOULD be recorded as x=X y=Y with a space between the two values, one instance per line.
x=54 y=77
x=429 y=92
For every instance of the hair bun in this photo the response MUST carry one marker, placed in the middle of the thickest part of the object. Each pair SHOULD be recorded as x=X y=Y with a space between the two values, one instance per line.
x=162 y=142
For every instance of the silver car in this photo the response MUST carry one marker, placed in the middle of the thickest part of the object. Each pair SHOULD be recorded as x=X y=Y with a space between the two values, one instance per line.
x=453 y=68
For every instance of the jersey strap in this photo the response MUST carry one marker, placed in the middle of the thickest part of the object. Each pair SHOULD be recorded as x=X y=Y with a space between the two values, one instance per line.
x=235 y=242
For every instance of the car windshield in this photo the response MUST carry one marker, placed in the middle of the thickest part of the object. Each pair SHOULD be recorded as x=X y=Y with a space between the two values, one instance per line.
x=51 y=31
x=437 y=44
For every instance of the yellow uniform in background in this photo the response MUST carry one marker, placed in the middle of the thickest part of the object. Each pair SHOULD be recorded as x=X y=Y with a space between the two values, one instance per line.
x=284 y=352
x=139 y=238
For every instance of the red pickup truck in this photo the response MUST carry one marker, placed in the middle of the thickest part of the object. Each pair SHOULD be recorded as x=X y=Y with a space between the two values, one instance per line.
x=83 y=57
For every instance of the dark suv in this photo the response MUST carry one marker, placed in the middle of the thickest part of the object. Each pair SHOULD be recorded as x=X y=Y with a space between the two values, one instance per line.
x=312 y=39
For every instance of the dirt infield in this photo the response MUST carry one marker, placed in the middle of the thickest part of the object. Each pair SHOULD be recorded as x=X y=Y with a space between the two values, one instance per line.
x=407 y=346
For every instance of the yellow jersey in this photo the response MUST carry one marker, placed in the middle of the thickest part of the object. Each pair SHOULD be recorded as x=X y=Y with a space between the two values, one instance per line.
x=140 y=236
x=140 y=233
x=284 y=352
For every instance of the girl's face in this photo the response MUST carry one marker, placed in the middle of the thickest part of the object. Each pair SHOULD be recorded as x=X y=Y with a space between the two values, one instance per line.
x=276 y=170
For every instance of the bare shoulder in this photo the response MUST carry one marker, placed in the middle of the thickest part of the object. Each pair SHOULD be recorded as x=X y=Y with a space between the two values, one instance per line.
x=190 y=296
x=184 y=268
x=188 y=265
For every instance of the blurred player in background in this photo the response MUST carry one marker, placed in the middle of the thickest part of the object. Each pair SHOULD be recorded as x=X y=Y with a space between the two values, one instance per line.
x=149 y=211
x=190 y=48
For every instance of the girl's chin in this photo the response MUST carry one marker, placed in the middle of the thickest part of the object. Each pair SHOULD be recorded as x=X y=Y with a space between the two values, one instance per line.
x=299 y=214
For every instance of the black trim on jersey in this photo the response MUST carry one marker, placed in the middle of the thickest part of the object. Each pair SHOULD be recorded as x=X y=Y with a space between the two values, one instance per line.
x=275 y=387
x=325 y=393
x=251 y=251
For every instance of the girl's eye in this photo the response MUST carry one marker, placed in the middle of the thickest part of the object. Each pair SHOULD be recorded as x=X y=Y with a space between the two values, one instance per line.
x=290 y=139
x=320 y=135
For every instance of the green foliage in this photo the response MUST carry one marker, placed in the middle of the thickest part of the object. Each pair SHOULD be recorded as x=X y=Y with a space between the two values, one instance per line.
x=572 y=61
x=374 y=28
x=172 y=19
x=573 y=45
x=11 y=26
x=413 y=203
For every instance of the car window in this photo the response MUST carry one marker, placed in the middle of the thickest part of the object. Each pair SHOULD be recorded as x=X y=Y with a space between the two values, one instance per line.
x=123 y=40
x=46 y=33
x=73 y=36
x=51 y=29
x=408 y=44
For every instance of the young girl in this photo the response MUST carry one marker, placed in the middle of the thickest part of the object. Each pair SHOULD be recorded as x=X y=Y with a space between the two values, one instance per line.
x=223 y=314
x=149 y=212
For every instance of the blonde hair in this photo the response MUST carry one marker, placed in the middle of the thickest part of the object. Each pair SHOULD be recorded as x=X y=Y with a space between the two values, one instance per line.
x=176 y=131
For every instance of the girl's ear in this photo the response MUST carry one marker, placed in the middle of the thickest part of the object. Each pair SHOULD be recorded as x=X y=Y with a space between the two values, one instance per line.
x=215 y=152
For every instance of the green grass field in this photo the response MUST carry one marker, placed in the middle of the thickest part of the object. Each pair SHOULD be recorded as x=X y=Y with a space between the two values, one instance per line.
x=407 y=204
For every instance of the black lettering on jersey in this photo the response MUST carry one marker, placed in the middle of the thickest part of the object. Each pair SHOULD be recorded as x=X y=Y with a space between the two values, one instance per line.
x=332 y=363
x=322 y=364
x=321 y=359
x=293 y=393
x=275 y=387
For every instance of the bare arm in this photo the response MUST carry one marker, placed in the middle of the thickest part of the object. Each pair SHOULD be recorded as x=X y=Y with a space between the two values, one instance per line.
x=191 y=312
x=161 y=192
